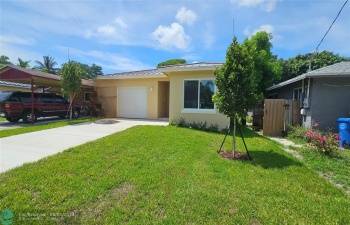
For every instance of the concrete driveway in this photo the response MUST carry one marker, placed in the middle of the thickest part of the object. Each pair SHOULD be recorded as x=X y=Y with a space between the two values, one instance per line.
x=30 y=147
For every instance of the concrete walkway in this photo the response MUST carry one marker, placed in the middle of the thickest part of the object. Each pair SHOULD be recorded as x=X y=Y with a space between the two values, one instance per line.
x=286 y=146
x=30 y=147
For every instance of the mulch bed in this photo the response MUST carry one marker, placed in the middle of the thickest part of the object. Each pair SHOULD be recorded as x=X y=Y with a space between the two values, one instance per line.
x=238 y=155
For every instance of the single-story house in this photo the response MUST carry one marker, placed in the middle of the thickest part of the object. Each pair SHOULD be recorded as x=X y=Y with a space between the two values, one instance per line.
x=324 y=95
x=171 y=92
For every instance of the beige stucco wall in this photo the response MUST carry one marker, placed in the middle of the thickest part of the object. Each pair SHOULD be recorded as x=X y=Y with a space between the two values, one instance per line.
x=107 y=90
x=177 y=96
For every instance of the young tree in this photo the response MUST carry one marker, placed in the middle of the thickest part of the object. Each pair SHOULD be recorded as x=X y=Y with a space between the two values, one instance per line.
x=236 y=84
x=71 y=82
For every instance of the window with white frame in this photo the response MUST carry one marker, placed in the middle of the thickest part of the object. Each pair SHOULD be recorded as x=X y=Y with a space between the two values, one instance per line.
x=88 y=96
x=198 y=94
x=297 y=93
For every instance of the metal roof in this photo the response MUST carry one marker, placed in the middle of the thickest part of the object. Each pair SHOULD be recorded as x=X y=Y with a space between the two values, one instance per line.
x=197 y=64
x=341 y=69
x=338 y=69
x=13 y=84
x=191 y=66
x=153 y=73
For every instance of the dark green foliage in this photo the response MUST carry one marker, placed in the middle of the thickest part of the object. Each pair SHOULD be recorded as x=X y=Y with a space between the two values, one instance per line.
x=267 y=70
x=88 y=72
x=236 y=82
x=299 y=64
x=194 y=125
x=171 y=62
x=48 y=65
x=4 y=60
x=297 y=132
x=22 y=63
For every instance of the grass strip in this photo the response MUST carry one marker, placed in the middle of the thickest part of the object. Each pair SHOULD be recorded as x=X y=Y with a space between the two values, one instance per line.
x=38 y=127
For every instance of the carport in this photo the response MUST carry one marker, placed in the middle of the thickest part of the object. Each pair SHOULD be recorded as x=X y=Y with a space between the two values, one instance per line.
x=37 y=80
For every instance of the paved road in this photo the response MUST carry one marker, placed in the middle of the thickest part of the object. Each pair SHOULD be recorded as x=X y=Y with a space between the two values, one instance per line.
x=30 y=147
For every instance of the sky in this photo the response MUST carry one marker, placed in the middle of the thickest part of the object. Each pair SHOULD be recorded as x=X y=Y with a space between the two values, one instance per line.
x=134 y=35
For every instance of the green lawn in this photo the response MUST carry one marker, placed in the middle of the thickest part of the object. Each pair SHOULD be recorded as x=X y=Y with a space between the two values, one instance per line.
x=335 y=167
x=37 y=127
x=170 y=175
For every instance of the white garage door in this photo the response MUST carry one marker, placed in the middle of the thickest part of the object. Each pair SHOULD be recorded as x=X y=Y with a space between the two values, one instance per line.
x=132 y=102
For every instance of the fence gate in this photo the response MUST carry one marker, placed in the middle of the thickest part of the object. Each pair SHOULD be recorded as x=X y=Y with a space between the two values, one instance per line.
x=274 y=117
x=293 y=112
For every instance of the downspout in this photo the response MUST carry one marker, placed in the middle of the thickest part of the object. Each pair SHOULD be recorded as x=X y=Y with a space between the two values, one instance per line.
x=308 y=88
x=32 y=98
x=302 y=86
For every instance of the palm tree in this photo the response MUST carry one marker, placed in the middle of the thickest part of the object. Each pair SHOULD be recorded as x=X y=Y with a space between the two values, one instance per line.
x=4 y=60
x=47 y=66
x=22 y=63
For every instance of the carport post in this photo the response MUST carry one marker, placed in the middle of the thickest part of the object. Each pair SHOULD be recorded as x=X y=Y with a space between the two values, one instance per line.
x=32 y=98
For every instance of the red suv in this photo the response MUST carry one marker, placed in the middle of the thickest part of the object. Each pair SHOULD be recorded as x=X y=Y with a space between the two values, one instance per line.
x=17 y=105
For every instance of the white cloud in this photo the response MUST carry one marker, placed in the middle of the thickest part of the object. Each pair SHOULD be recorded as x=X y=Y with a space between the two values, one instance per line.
x=208 y=36
x=267 y=5
x=15 y=52
x=106 y=30
x=186 y=16
x=17 y=40
x=107 y=60
x=191 y=57
x=266 y=27
x=173 y=36
x=121 y=23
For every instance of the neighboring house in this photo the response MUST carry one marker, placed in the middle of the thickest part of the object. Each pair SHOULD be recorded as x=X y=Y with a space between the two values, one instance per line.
x=172 y=92
x=11 y=86
x=324 y=94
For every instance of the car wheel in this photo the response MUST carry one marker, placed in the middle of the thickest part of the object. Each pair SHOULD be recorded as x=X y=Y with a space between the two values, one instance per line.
x=12 y=119
x=27 y=117
x=76 y=113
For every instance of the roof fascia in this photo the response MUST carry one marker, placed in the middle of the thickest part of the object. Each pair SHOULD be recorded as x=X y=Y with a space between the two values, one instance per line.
x=111 y=77
x=290 y=81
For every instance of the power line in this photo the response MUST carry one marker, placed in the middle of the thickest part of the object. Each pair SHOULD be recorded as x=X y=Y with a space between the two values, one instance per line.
x=331 y=25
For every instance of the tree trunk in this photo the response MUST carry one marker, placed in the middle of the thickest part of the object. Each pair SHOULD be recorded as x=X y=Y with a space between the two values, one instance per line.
x=70 y=107
x=244 y=121
x=234 y=138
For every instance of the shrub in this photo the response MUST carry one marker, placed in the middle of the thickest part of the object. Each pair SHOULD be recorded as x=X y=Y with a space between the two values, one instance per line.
x=213 y=128
x=202 y=126
x=326 y=142
x=173 y=123
x=182 y=122
x=297 y=132
x=194 y=125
